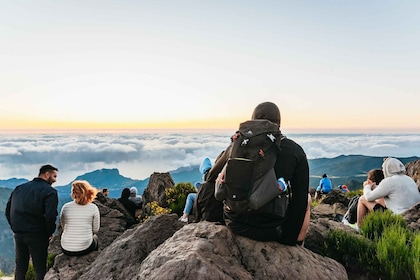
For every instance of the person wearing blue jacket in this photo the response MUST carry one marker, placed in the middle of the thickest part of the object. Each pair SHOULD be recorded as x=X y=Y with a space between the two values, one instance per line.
x=189 y=203
x=32 y=212
x=325 y=186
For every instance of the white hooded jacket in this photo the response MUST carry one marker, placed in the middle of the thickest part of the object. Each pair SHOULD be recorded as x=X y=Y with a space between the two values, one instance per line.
x=399 y=191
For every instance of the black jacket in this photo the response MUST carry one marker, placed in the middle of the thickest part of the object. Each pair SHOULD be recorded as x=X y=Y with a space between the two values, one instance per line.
x=32 y=208
x=292 y=165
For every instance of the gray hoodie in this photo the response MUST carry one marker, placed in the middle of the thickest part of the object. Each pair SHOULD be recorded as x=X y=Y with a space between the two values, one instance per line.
x=399 y=191
x=134 y=197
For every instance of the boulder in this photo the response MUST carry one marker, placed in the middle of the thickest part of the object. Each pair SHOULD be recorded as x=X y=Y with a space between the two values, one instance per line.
x=413 y=170
x=155 y=190
x=209 y=251
x=412 y=217
x=335 y=196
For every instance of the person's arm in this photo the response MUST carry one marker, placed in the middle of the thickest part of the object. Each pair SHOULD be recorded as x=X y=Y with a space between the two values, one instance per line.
x=298 y=201
x=7 y=211
x=96 y=222
x=382 y=190
x=50 y=214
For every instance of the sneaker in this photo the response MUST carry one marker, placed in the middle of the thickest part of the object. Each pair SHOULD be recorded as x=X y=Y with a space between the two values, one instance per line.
x=184 y=220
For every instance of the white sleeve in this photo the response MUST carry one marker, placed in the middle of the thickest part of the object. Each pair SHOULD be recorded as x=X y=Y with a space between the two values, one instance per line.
x=96 y=222
x=382 y=190
x=62 y=216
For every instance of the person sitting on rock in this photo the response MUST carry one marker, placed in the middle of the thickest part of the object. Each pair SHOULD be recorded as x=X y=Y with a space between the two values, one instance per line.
x=325 y=186
x=129 y=205
x=189 y=203
x=292 y=165
x=398 y=191
x=134 y=197
x=80 y=220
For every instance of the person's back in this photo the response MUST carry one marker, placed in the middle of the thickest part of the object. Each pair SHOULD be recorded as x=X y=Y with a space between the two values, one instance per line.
x=27 y=211
x=266 y=224
x=399 y=191
x=32 y=212
x=127 y=203
x=325 y=184
x=80 y=220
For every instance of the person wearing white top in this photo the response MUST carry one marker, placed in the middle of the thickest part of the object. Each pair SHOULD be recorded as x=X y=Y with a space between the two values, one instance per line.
x=398 y=190
x=80 y=220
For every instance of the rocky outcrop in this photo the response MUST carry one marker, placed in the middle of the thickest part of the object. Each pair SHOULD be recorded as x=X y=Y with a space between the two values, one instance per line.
x=413 y=170
x=162 y=248
x=335 y=196
x=155 y=190
x=412 y=217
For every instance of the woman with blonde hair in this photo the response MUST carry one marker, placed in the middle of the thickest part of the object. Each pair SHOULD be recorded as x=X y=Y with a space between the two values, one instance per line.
x=80 y=220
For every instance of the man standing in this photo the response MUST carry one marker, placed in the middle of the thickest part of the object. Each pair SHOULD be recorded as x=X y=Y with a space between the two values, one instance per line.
x=32 y=212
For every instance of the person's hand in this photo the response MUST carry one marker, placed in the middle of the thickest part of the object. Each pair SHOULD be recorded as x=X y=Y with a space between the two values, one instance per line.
x=367 y=182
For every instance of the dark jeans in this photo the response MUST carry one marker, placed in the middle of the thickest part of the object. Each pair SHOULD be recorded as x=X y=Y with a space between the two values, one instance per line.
x=94 y=246
x=37 y=249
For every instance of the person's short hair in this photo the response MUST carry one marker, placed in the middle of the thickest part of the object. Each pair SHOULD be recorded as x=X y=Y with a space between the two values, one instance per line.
x=324 y=175
x=376 y=175
x=46 y=168
x=82 y=192
x=104 y=190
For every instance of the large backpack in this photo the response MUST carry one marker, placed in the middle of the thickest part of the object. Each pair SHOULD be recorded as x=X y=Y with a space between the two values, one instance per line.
x=249 y=180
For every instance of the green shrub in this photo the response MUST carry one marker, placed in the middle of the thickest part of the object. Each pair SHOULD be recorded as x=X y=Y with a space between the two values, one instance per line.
x=350 y=194
x=374 y=223
x=415 y=254
x=155 y=210
x=351 y=249
x=177 y=195
x=393 y=253
x=50 y=260
x=387 y=247
x=30 y=273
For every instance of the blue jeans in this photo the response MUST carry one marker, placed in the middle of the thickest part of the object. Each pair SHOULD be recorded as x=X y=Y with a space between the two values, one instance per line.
x=37 y=248
x=189 y=203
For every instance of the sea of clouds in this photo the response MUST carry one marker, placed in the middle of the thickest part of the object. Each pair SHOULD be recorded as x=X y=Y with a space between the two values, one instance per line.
x=138 y=154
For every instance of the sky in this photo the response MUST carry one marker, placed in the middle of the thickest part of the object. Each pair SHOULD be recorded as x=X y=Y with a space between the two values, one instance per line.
x=137 y=155
x=330 y=66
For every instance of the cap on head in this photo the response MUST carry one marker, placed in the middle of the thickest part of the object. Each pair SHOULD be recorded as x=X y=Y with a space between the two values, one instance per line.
x=267 y=111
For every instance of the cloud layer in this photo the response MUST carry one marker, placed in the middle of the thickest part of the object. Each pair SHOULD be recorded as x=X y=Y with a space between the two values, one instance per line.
x=137 y=155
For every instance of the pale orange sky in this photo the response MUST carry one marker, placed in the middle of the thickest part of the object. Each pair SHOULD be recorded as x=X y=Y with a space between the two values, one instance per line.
x=329 y=67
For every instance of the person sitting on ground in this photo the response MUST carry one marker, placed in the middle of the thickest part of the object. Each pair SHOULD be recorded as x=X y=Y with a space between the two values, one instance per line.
x=292 y=165
x=343 y=188
x=325 y=186
x=134 y=197
x=398 y=191
x=127 y=203
x=350 y=217
x=80 y=220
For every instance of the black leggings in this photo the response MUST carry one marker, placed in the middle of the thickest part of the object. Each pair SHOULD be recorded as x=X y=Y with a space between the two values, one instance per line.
x=93 y=247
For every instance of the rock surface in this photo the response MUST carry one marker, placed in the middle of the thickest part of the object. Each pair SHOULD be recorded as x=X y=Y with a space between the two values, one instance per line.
x=162 y=248
x=165 y=248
